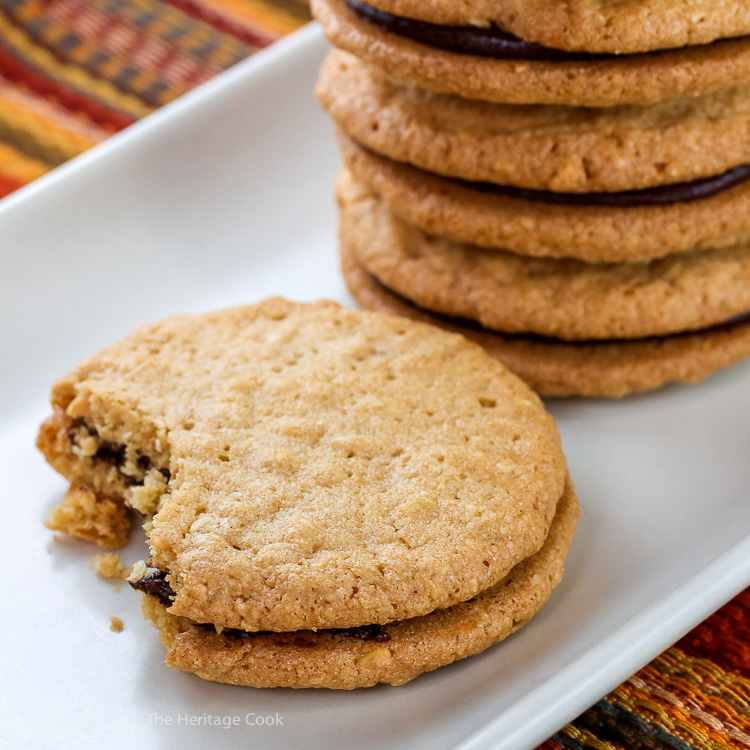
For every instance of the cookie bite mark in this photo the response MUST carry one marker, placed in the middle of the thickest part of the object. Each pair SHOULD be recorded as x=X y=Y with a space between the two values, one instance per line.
x=85 y=515
x=109 y=466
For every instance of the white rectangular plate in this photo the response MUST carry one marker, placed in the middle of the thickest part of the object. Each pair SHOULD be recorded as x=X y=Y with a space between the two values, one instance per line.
x=226 y=197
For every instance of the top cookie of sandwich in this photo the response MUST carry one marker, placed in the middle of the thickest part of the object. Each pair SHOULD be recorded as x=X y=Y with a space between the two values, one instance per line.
x=598 y=26
x=479 y=63
x=328 y=468
x=548 y=148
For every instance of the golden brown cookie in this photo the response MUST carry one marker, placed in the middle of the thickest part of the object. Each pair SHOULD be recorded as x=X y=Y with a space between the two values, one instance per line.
x=556 y=368
x=627 y=79
x=622 y=27
x=307 y=466
x=596 y=234
x=556 y=148
x=565 y=299
x=339 y=660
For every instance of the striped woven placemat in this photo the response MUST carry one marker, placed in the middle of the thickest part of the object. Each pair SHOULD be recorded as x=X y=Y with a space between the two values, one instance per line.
x=72 y=72
x=695 y=695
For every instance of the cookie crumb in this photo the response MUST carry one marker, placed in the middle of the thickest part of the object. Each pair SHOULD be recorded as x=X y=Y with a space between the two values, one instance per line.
x=138 y=571
x=109 y=567
x=115 y=624
x=87 y=516
x=116 y=589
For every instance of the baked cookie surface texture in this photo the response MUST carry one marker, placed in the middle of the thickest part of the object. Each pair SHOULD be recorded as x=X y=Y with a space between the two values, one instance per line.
x=304 y=467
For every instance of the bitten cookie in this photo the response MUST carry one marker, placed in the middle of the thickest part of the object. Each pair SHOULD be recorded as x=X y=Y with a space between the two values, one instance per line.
x=399 y=652
x=609 y=369
x=594 y=233
x=306 y=466
x=554 y=148
x=565 y=299
x=617 y=79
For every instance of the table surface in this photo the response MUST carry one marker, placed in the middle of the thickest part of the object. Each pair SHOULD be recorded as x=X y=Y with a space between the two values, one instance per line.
x=72 y=72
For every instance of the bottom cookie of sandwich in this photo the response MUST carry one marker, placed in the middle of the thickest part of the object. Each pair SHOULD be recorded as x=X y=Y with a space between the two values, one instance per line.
x=560 y=368
x=396 y=653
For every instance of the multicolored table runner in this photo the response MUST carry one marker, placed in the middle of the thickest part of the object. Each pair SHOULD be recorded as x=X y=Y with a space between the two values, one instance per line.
x=695 y=695
x=72 y=72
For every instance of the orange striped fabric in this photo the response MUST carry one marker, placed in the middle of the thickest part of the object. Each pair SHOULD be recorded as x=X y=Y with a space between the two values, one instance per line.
x=72 y=72
x=695 y=695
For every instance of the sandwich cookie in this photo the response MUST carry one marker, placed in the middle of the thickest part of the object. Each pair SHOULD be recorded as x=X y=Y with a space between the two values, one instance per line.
x=486 y=66
x=547 y=148
x=394 y=653
x=611 y=369
x=565 y=299
x=625 y=27
x=597 y=228
x=302 y=466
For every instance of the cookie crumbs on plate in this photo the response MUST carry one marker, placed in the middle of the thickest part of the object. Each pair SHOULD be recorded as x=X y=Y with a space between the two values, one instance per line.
x=109 y=567
x=115 y=625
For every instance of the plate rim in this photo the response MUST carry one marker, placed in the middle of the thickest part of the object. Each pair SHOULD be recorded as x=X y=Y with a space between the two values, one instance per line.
x=688 y=606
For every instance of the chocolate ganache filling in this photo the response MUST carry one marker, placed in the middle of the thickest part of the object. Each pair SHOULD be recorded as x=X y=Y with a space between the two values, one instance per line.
x=474 y=40
x=662 y=195
x=467 y=40
x=736 y=321
x=155 y=584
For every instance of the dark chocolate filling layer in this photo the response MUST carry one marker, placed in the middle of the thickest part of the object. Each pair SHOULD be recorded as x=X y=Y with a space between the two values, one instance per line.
x=466 y=40
x=736 y=321
x=155 y=584
x=663 y=195
x=366 y=633
x=470 y=40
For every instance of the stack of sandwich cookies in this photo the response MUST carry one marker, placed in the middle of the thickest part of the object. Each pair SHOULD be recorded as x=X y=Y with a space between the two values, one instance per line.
x=482 y=214
x=332 y=498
